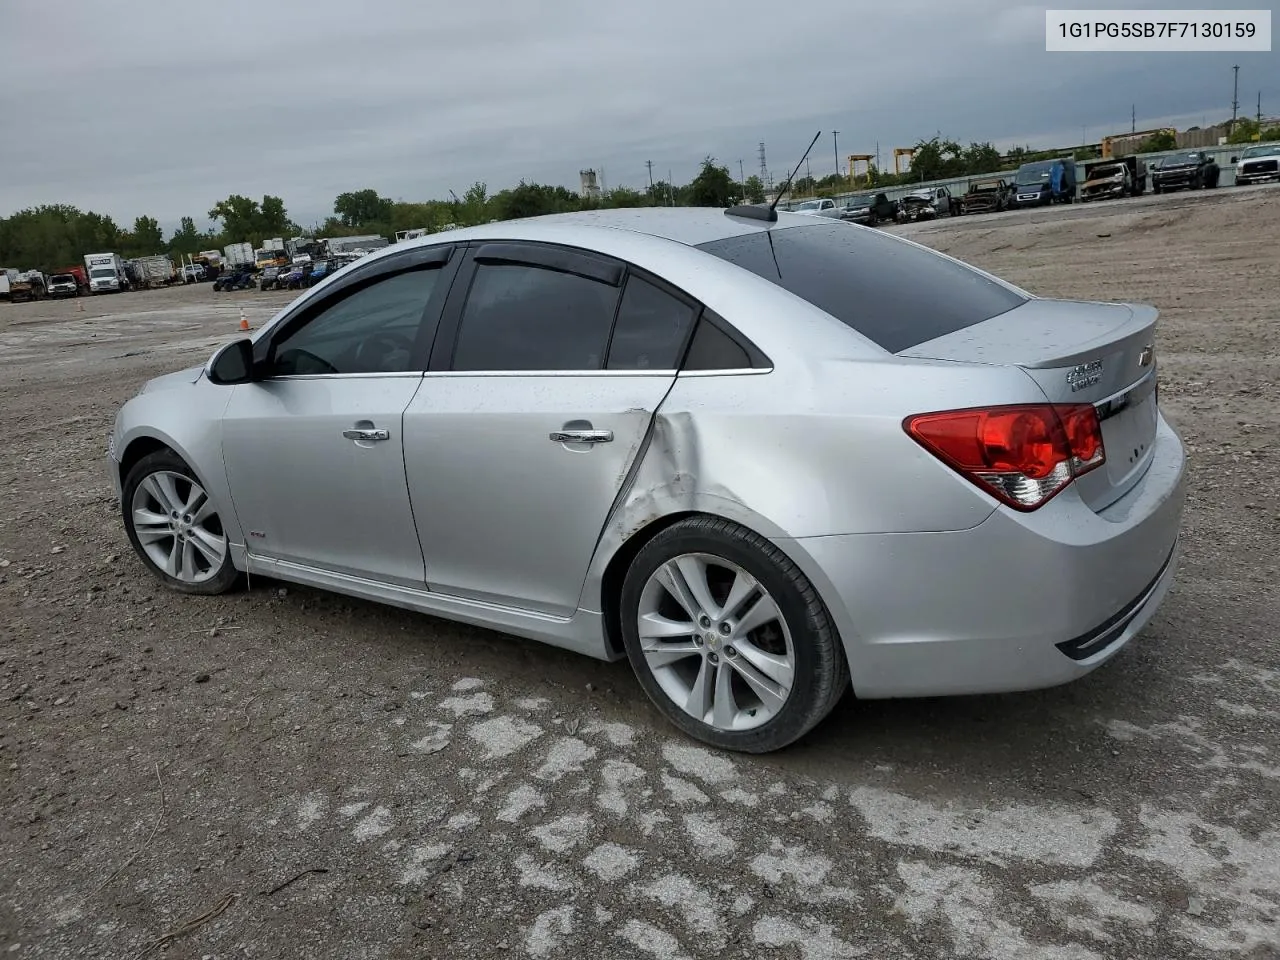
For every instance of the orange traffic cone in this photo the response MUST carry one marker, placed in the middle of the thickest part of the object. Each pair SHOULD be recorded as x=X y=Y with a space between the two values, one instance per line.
x=244 y=321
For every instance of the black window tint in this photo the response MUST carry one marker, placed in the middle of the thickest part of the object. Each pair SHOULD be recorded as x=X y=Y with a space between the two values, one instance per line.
x=372 y=330
x=520 y=317
x=895 y=294
x=650 y=330
x=713 y=349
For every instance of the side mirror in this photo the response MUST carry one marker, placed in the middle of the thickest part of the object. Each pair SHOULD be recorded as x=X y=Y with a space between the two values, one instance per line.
x=232 y=364
x=1235 y=159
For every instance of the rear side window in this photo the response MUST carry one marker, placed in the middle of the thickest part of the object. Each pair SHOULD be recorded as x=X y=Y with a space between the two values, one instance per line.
x=651 y=328
x=894 y=294
x=522 y=317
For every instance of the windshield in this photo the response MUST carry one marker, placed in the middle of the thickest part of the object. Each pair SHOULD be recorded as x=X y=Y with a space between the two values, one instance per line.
x=1260 y=152
x=858 y=203
x=810 y=205
x=893 y=293
x=1177 y=159
x=1030 y=174
x=99 y=273
x=62 y=278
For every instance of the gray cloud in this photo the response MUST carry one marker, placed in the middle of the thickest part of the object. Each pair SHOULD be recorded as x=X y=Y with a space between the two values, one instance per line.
x=162 y=110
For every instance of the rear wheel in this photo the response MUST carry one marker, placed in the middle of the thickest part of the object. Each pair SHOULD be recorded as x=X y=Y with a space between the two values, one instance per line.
x=175 y=526
x=729 y=638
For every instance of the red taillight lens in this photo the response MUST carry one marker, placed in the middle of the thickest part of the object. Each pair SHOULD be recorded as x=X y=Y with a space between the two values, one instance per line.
x=1024 y=455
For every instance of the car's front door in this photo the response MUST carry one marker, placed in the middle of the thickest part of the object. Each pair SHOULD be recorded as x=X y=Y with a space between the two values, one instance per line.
x=314 y=447
x=548 y=369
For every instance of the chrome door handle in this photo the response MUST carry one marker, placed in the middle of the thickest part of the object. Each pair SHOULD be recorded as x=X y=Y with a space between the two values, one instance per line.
x=581 y=436
x=365 y=433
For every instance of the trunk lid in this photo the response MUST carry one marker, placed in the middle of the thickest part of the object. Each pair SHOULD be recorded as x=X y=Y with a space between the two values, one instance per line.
x=1077 y=352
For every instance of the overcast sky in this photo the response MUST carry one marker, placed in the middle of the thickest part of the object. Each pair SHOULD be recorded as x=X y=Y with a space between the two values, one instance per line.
x=163 y=109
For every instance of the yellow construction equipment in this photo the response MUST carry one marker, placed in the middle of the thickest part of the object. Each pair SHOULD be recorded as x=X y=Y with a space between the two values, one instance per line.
x=898 y=154
x=854 y=160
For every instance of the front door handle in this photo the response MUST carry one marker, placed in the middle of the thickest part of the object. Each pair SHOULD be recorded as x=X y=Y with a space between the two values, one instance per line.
x=582 y=436
x=367 y=433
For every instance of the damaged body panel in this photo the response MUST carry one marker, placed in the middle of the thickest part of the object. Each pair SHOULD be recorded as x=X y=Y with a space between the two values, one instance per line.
x=986 y=196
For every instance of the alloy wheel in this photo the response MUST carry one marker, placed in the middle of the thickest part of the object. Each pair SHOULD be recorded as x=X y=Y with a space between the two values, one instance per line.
x=178 y=526
x=716 y=642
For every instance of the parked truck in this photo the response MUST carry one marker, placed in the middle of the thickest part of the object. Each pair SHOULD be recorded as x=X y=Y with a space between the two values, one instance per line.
x=1114 y=177
x=238 y=254
x=367 y=243
x=27 y=286
x=7 y=276
x=106 y=273
x=152 y=272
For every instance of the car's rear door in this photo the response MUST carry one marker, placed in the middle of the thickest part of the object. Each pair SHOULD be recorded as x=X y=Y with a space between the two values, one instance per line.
x=314 y=450
x=547 y=372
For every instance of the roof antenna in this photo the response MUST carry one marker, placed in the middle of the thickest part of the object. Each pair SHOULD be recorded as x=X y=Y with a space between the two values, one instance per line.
x=770 y=214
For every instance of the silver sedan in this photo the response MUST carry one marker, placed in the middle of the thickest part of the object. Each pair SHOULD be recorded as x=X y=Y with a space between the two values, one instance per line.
x=765 y=457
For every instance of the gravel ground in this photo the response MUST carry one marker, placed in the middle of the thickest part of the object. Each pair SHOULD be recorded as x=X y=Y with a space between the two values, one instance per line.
x=169 y=764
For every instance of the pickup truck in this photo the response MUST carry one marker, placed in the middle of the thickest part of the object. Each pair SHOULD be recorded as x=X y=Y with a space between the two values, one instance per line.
x=929 y=204
x=987 y=196
x=822 y=207
x=869 y=210
x=1257 y=165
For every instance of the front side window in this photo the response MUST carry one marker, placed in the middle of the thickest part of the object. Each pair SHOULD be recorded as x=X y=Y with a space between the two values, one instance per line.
x=371 y=330
x=524 y=317
x=651 y=328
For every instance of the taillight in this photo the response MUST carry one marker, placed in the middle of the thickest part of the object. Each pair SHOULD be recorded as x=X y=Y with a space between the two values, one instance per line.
x=1023 y=455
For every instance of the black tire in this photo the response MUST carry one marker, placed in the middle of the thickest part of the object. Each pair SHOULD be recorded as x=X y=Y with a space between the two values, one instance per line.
x=1155 y=188
x=821 y=675
x=226 y=576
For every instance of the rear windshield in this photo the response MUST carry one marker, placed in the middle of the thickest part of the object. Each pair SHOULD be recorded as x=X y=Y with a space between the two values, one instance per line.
x=894 y=294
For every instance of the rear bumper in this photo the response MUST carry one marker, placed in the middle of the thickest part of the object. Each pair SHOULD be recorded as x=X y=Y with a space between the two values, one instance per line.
x=1019 y=602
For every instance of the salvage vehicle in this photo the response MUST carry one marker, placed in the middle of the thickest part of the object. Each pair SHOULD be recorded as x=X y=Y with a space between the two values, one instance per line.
x=927 y=204
x=1114 y=177
x=1192 y=169
x=1043 y=182
x=239 y=278
x=62 y=285
x=1258 y=164
x=986 y=196
x=869 y=211
x=636 y=475
x=268 y=278
x=27 y=286
x=822 y=207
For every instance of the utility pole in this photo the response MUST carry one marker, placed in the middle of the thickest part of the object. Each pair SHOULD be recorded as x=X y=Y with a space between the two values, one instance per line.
x=835 y=146
x=764 y=167
x=649 y=164
x=742 y=180
x=1133 y=122
x=671 y=187
x=1235 y=98
x=1259 y=115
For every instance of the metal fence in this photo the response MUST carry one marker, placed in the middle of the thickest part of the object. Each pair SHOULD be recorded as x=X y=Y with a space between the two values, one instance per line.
x=960 y=185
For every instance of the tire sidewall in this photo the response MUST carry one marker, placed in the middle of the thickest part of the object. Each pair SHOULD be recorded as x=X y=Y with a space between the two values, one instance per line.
x=795 y=717
x=165 y=460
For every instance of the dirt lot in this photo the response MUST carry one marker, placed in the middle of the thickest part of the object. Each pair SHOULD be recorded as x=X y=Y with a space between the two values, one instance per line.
x=455 y=793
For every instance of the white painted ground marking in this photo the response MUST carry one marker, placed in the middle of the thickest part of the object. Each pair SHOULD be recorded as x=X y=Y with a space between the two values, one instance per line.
x=611 y=862
x=682 y=791
x=696 y=762
x=705 y=832
x=503 y=736
x=1047 y=834
x=567 y=755
x=1083 y=906
x=969 y=909
x=436 y=740
x=310 y=810
x=1238 y=876
x=519 y=802
x=652 y=940
x=618 y=734
x=467 y=683
x=551 y=927
x=806 y=869
x=617 y=775
x=695 y=904
x=815 y=940
x=422 y=860
x=473 y=705
x=563 y=833
x=374 y=825
x=541 y=876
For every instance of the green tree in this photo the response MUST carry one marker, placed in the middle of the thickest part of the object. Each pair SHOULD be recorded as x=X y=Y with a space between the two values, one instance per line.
x=755 y=189
x=712 y=187
x=147 y=235
x=1161 y=140
x=981 y=158
x=274 y=220
x=362 y=206
x=626 y=197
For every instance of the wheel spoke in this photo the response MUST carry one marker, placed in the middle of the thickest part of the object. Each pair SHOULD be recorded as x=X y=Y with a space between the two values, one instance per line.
x=212 y=548
x=672 y=580
x=657 y=627
x=662 y=654
x=173 y=563
x=776 y=668
x=204 y=511
x=743 y=586
x=162 y=490
x=771 y=698
x=694 y=572
x=187 y=561
x=702 y=694
x=761 y=612
x=150 y=526
x=725 y=709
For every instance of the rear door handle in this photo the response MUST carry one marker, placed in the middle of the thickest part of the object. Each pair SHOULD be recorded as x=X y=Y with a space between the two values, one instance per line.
x=581 y=436
x=366 y=433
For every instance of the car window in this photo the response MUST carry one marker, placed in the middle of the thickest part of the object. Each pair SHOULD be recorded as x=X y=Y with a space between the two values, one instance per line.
x=371 y=330
x=895 y=294
x=523 y=317
x=713 y=349
x=650 y=330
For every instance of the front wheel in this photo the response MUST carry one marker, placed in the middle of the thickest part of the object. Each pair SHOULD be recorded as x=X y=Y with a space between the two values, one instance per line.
x=728 y=638
x=175 y=526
